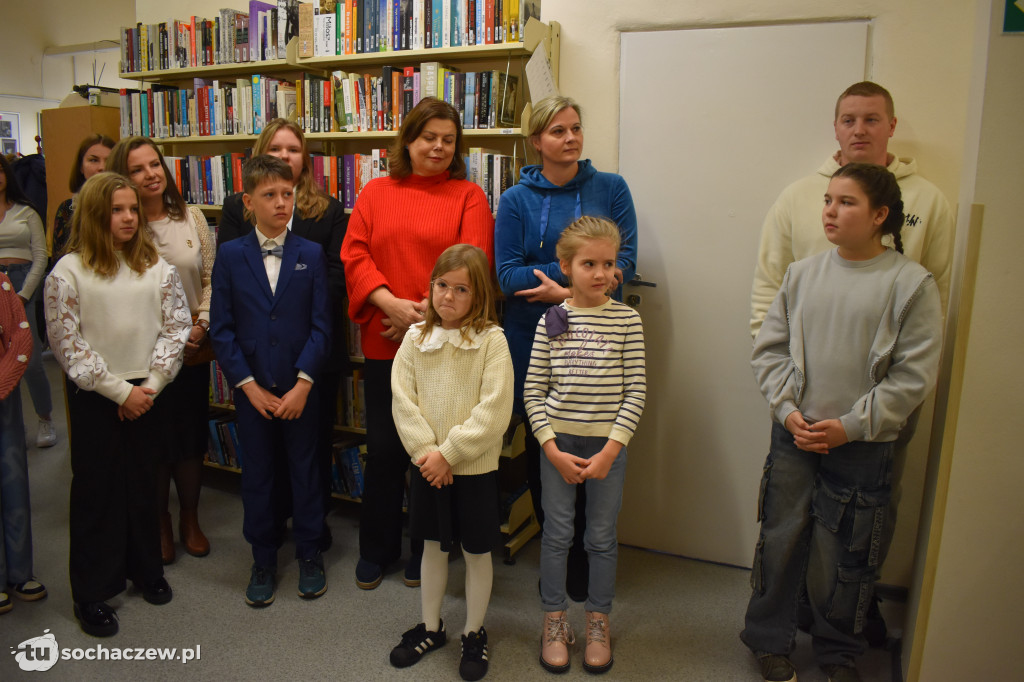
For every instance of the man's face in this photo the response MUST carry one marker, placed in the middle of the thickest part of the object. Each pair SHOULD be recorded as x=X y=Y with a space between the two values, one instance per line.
x=863 y=129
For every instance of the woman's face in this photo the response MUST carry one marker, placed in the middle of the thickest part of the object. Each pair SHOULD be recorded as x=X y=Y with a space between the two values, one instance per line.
x=94 y=160
x=561 y=142
x=146 y=172
x=432 y=152
x=286 y=146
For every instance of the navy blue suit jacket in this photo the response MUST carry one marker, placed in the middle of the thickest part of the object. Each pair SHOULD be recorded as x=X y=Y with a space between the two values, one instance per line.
x=270 y=336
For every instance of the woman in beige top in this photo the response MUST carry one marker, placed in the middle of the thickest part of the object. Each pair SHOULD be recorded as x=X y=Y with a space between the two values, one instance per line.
x=183 y=238
x=23 y=259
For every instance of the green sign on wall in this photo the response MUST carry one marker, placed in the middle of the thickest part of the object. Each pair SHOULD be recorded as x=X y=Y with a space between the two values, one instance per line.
x=1013 y=20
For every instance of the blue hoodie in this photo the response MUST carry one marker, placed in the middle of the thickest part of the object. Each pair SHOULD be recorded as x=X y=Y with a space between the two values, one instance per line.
x=531 y=217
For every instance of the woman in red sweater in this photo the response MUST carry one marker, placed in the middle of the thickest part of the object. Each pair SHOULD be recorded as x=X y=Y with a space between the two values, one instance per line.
x=398 y=228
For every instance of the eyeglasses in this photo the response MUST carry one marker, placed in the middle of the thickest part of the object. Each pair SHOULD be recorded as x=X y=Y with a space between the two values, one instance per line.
x=441 y=288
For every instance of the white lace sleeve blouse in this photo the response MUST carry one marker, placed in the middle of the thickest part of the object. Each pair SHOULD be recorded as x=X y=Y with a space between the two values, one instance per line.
x=107 y=331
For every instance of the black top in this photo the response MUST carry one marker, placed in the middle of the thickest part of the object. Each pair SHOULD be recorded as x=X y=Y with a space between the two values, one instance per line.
x=329 y=233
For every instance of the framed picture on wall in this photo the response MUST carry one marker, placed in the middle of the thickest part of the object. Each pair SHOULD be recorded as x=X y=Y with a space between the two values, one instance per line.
x=9 y=130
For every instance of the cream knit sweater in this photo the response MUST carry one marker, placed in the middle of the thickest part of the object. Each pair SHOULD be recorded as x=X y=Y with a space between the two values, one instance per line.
x=453 y=395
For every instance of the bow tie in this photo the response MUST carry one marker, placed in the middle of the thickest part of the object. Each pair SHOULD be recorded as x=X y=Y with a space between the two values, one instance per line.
x=276 y=251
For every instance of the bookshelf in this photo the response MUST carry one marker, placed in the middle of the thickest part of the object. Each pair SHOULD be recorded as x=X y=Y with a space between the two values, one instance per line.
x=519 y=522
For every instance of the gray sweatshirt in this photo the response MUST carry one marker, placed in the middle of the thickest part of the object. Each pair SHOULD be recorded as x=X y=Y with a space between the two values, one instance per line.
x=857 y=341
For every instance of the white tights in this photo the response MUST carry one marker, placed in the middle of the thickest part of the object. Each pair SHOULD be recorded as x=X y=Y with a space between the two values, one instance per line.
x=434 y=582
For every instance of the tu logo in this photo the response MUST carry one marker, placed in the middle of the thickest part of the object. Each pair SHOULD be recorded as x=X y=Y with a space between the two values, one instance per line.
x=37 y=654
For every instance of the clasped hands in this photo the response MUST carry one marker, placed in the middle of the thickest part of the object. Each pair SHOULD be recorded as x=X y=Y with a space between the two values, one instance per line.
x=575 y=469
x=399 y=315
x=435 y=469
x=268 y=405
x=819 y=437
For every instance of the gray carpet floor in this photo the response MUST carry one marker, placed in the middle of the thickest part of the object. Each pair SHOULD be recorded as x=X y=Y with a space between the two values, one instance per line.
x=674 y=618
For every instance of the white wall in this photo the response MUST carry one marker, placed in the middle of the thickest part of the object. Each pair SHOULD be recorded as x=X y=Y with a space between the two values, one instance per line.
x=972 y=631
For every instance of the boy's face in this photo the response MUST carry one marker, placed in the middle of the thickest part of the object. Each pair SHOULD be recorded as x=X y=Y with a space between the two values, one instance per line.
x=271 y=203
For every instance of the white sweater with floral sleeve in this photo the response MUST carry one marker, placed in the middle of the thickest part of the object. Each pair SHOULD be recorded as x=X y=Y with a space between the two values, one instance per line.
x=105 y=331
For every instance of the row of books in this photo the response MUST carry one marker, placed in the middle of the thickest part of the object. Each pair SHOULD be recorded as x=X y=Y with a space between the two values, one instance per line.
x=234 y=36
x=342 y=102
x=353 y=102
x=325 y=28
x=224 y=447
x=220 y=391
x=348 y=461
x=210 y=107
x=331 y=28
x=211 y=179
x=352 y=407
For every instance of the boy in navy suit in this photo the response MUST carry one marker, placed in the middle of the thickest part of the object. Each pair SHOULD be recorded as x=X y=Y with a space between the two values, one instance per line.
x=270 y=330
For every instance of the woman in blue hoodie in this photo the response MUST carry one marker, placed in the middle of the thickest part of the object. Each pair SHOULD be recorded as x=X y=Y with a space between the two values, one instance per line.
x=531 y=216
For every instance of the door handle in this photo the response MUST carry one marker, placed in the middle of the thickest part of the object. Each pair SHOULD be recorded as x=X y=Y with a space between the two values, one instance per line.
x=638 y=281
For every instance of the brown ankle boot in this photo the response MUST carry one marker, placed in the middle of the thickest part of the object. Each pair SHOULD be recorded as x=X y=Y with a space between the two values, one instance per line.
x=598 y=655
x=166 y=539
x=555 y=641
x=192 y=536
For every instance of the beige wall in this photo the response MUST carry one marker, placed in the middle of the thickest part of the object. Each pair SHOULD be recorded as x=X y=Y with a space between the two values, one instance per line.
x=43 y=24
x=972 y=630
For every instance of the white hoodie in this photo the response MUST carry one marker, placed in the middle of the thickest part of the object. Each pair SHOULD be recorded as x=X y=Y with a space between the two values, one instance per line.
x=793 y=231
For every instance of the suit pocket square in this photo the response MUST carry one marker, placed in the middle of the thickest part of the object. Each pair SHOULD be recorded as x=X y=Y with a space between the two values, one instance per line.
x=300 y=266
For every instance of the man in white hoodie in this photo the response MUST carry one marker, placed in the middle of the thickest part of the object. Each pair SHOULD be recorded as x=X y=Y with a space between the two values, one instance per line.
x=865 y=120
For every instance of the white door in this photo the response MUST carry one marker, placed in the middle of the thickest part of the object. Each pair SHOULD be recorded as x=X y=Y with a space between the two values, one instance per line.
x=713 y=124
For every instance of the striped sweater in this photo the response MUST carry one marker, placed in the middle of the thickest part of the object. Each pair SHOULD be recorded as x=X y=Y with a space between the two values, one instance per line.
x=589 y=380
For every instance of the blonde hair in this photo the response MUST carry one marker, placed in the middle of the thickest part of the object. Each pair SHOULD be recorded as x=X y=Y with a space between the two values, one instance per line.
x=117 y=162
x=91 y=237
x=482 y=313
x=586 y=229
x=310 y=199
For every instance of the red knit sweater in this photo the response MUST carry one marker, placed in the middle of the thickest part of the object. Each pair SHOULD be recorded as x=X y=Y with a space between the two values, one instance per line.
x=397 y=230
x=15 y=338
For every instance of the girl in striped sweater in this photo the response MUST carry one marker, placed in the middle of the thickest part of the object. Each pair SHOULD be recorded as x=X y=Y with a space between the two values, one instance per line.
x=584 y=393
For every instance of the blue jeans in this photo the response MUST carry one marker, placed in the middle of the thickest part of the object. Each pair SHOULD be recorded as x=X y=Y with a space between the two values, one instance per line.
x=604 y=499
x=35 y=374
x=15 y=527
x=822 y=520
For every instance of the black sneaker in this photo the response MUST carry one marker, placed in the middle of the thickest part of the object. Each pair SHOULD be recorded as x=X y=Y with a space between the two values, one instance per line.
x=841 y=673
x=776 y=668
x=473 y=665
x=415 y=643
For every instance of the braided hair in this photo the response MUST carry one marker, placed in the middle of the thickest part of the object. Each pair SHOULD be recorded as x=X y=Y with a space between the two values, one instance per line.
x=879 y=184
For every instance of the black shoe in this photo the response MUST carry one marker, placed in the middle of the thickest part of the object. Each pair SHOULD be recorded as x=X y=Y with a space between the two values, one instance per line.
x=415 y=643
x=155 y=591
x=776 y=668
x=473 y=665
x=577 y=575
x=368 y=574
x=412 y=571
x=96 y=619
x=875 y=631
